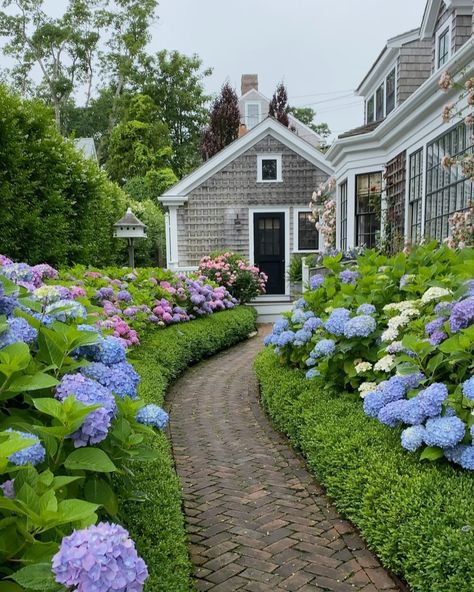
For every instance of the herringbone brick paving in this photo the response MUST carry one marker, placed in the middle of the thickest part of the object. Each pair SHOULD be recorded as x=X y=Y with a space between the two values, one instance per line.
x=256 y=519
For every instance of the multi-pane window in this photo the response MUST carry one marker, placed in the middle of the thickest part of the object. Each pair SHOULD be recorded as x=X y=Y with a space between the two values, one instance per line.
x=379 y=102
x=269 y=168
x=443 y=48
x=252 y=112
x=390 y=92
x=415 y=195
x=371 y=110
x=343 y=216
x=367 y=207
x=447 y=188
x=308 y=239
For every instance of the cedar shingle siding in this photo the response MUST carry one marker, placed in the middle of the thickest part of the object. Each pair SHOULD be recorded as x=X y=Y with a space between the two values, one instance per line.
x=207 y=221
x=414 y=67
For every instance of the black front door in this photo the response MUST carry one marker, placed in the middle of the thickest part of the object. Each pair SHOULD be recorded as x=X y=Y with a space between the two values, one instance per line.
x=269 y=249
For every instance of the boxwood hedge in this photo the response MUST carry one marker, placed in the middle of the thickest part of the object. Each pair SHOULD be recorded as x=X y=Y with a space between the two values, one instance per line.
x=417 y=517
x=157 y=524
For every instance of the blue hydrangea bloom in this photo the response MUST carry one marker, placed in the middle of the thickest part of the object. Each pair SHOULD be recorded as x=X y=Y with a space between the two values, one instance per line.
x=324 y=348
x=434 y=325
x=312 y=373
x=7 y=305
x=468 y=388
x=443 y=308
x=411 y=413
x=312 y=324
x=100 y=558
x=361 y=326
x=280 y=325
x=152 y=415
x=412 y=437
x=110 y=350
x=301 y=337
x=96 y=425
x=411 y=381
x=298 y=318
x=300 y=303
x=373 y=403
x=366 y=309
x=466 y=459
x=454 y=454
x=310 y=362
x=34 y=454
x=18 y=330
x=336 y=321
x=116 y=378
x=63 y=310
x=431 y=399
x=437 y=337
x=348 y=277
x=316 y=281
x=267 y=340
x=444 y=432
x=17 y=272
x=308 y=314
x=392 y=389
x=285 y=338
x=390 y=414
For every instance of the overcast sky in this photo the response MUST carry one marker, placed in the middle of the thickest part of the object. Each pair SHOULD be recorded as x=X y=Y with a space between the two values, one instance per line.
x=316 y=47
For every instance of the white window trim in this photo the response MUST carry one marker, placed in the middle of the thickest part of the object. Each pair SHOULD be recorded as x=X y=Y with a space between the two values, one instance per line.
x=253 y=103
x=373 y=95
x=269 y=156
x=261 y=210
x=447 y=26
x=296 y=249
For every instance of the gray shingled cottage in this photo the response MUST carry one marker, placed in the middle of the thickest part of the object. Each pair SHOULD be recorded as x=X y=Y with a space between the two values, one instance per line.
x=251 y=198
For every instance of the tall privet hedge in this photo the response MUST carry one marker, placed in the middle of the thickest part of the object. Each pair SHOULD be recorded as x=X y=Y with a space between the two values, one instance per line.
x=55 y=205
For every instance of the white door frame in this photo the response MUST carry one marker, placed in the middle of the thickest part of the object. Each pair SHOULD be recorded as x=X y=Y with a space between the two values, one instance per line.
x=279 y=210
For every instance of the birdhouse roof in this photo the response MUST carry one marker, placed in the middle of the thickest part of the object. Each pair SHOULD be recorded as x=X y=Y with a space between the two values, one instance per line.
x=130 y=220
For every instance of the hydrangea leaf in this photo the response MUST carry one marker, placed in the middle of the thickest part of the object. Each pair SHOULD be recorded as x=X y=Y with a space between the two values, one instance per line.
x=100 y=492
x=90 y=459
x=37 y=577
x=431 y=453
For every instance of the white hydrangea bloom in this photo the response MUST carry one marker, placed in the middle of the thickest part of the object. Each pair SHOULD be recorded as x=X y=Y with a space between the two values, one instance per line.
x=389 y=334
x=399 y=306
x=398 y=321
x=366 y=388
x=363 y=367
x=385 y=364
x=434 y=293
x=410 y=312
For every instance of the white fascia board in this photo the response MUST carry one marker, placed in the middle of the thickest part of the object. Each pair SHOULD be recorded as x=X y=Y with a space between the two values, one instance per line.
x=406 y=117
x=295 y=120
x=255 y=92
x=430 y=17
x=268 y=126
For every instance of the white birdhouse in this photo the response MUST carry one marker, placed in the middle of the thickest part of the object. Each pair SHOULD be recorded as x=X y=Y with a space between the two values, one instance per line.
x=129 y=227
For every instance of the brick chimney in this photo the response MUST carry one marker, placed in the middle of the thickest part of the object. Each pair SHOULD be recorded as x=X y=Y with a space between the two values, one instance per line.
x=248 y=82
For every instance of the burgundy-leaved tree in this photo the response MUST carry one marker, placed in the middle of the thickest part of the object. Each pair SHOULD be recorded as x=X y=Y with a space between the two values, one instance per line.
x=224 y=123
x=279 y=105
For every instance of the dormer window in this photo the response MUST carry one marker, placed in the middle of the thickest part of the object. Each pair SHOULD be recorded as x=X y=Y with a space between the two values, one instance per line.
x=371 y=110
x=253 y=114
x=390 y=92
x=443 y=42
x=383 y=100
x=379 y=102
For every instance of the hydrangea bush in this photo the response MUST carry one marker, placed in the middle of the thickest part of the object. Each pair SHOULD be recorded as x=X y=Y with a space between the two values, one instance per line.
x=399 y=333
x=70 y=418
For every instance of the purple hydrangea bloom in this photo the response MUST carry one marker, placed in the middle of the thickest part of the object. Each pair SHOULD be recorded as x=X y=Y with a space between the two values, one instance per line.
x=433 y=326
x=468 y=388
x=412 y=437
x=312 y=324
x=100 y=558
x=124 y=296
x=462 y=314
x=366 y=309
x=153 y=415
x=316 y=281
x=34 y=454
x=116 y=378
x=437 y=337
x=337 y=320
x=360 y=326
x=8 y=488
x=349 y=277
x=324 y=348
x=18 y=330
x=105 y=293
x=443 y=308
x=444 y=432
x=89 y=392
x=63 y=310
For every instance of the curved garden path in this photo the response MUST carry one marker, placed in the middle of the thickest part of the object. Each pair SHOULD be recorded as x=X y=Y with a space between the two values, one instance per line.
x=257 y=521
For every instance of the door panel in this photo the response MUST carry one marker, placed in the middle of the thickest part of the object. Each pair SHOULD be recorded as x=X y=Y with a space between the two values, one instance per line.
x=269 y=248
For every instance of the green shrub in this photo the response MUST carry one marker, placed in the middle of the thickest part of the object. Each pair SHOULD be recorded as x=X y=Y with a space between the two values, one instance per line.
x=418 y=518
x=57 y=206
x=156 y=524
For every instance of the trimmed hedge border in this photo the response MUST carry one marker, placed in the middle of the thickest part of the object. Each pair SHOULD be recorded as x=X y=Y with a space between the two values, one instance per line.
x=157 y=524
x=418 y=517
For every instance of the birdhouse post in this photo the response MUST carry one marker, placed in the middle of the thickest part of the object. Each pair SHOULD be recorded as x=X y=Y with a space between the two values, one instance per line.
x=130 y=228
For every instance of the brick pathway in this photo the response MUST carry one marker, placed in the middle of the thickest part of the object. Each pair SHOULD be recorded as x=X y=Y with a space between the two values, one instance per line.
x=256 y=519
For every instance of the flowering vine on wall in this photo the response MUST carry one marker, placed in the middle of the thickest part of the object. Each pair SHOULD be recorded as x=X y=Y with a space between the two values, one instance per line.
x=323 y=211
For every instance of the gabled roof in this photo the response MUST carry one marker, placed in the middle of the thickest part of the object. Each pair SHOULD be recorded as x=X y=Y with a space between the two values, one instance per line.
x=432 y=10
x=267 y=127
x=129 y=219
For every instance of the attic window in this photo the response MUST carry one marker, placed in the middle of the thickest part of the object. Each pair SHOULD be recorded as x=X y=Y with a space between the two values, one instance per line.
x=442 y=48
x=269 y=168
x=253 y=114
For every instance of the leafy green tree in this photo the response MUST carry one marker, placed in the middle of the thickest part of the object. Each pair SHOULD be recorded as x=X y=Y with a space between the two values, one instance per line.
x=307 y=116
x=56 y=205
x=63 y=48
x=138 y=144
x=224 y=123
x=176 y=84
x=279 y=105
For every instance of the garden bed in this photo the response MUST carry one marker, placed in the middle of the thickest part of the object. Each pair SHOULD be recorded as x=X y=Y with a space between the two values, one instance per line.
x=157 y=524
x=416 y=516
